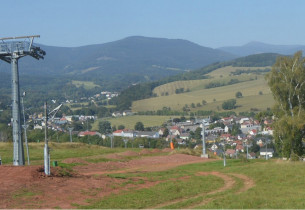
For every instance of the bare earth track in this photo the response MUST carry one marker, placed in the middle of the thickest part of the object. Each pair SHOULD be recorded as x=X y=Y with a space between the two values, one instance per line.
x=28 y=187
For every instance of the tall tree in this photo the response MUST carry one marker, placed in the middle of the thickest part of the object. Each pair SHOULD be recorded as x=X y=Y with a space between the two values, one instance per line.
x=139 y=126
x=287 y=83
x=105 y=127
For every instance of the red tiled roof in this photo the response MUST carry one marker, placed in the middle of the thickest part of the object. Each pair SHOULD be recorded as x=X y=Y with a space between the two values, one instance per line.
x=118 y=131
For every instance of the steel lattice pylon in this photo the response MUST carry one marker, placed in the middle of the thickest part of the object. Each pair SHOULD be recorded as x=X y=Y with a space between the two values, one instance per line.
x=11 y=50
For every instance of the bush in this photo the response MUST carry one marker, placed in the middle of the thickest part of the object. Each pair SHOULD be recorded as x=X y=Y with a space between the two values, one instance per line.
x=229 y=104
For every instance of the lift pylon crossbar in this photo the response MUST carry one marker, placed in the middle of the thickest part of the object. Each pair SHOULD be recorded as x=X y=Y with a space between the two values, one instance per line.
x=20 y=37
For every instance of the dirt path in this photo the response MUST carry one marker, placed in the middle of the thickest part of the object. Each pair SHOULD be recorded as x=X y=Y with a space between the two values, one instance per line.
x=229 y=183
x=247 y=182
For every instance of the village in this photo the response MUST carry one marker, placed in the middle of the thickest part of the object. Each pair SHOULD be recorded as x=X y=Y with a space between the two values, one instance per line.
x=234 y=136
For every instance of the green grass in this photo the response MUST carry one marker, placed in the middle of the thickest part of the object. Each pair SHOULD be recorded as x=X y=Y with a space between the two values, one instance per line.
x=250 y=85
x=278 y=185
x=87 y=85
x=59 y=151
x=214 y=98
x=130 y=121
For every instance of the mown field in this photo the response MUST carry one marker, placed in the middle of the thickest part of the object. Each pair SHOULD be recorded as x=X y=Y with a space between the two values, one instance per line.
x=130 y=121
x=214 y=98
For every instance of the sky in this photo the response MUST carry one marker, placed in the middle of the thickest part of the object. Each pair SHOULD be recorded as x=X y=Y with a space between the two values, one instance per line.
x=209 y=23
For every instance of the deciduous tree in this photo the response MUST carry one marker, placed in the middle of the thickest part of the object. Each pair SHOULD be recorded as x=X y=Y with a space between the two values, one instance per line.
x=287 y=83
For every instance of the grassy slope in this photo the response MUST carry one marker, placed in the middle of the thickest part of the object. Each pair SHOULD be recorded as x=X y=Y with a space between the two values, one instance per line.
x=250 y=90
x=277 y=185
x=59 y=151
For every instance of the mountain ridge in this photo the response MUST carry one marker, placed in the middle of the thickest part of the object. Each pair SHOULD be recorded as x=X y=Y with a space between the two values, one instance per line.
x=255 y=47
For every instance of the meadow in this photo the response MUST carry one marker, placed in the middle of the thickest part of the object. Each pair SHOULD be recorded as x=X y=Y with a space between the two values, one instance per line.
x=130 y=121
x=86 y=84
x=214 y=98
x=276 y=185
x=253 y=86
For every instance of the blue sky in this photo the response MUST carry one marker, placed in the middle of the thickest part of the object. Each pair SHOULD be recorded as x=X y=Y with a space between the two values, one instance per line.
x=210 y=23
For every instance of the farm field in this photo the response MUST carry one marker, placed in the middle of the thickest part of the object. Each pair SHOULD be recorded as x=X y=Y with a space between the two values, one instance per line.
x=87 y=85
x=130 y=121
x=249 y=89
x=221 y=74
x=133 y=179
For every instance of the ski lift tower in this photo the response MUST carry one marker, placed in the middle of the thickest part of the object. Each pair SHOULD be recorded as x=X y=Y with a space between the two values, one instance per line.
x=11 y=50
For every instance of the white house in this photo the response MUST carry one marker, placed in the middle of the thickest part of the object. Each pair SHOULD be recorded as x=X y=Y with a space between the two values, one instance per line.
x=124 y=133
x=148 y=134
x=269 y=152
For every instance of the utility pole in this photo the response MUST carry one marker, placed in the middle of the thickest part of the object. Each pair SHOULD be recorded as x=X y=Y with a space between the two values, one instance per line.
x=70 y=131
x=46 y=147
x=204 y=154
x=25 y=127
x=10 y=52
x=247 y=150
x=266 y=151
x=125 y=141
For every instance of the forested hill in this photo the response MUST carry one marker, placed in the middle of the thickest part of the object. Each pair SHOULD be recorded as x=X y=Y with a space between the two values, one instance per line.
x=259 y=47
x=117 y=64
x=144 y=90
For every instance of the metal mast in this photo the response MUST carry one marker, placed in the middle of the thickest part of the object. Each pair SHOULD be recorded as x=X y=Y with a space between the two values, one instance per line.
x=11 y=51
x=70 y=132
x=204 y=154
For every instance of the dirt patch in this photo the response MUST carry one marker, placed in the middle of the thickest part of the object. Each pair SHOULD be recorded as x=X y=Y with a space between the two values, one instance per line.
x=114 y=156
x=129 y=154
x=145 y=152
x=156 y=151
x=167 y=150
x=75 y=160
x=28 y=187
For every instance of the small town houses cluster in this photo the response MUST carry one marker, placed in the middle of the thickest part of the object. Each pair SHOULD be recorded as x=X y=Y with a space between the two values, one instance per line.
x=217 y=138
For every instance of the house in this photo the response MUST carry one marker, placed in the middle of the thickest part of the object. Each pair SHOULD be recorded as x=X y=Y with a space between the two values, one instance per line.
x=161 y=131
x=240 y=148
x=127 y=112
x=231 y=152
x=269 y=152
x=214 y=147
x=185 y=136
x=148 y=134
x=210 y=138
x=225 y=136
x=242 y=120
x=251 y=155
x=175 y=130
x=116 y=114
x=228 y=128
x=253 y=132
x=124 y=133
x=89 y=133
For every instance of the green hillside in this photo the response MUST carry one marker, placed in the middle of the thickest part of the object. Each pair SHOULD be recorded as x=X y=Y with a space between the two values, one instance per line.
x=214 y=75
x=249 y=81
